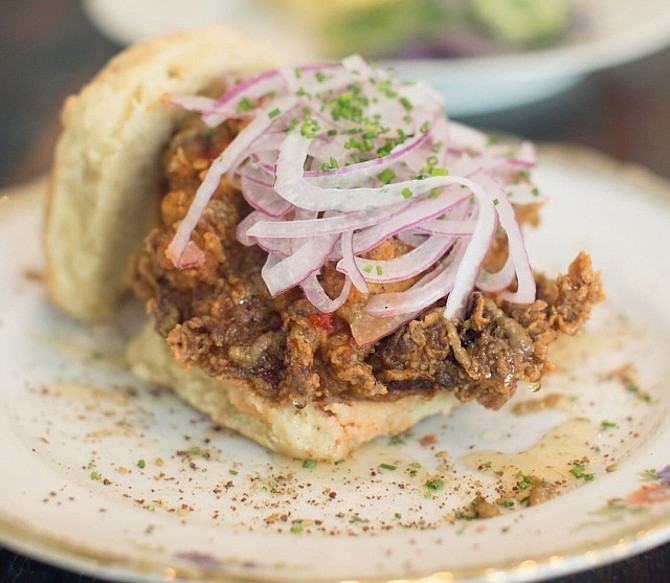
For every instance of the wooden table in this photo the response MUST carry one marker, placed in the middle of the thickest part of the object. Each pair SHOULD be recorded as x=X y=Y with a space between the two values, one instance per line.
x=48 y=49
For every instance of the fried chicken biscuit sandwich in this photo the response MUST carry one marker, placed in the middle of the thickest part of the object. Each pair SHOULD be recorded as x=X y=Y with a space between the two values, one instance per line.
x=324 y=257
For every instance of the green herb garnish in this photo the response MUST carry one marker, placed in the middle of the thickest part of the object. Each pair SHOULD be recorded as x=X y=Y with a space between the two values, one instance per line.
x=579 y=472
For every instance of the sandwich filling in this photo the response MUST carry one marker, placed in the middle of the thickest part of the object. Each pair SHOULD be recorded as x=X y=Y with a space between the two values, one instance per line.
x=218 y=309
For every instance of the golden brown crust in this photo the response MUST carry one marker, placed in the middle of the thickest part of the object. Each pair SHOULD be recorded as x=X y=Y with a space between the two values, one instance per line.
x=326 y=431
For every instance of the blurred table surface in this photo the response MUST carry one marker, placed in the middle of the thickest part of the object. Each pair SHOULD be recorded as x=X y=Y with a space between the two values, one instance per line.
x=48 y=49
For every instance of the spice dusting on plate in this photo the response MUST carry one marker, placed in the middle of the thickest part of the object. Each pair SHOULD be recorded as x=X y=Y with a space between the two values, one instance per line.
x=562 y=457
x=626 y=375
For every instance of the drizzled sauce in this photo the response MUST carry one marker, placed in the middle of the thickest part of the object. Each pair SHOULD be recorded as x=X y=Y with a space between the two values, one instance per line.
x=551 y=458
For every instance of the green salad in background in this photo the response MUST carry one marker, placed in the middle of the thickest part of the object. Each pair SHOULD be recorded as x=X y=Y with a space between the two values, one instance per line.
x=433 y=28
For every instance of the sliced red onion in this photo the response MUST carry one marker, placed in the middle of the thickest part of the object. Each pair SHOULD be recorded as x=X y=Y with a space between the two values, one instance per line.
x=218 y=168
x=360 y=67
x=367 y=329
x=411 y=237
x=446 y=228
x=295 y=189
x=198 y=103
x=317 y=296
x=420 y=296
x=242 y=231
x=339 y=223
x=333 y=178
x=523 y=193
x=228 y=105
x=498 y=281
x=191 y=257
x=424 y=210
x=526 y=287
x=477 y=250
x=280 y=247
x=348 y=264
x=291 y=271
x=443 y=188
x=263 y=198
x=403 y=267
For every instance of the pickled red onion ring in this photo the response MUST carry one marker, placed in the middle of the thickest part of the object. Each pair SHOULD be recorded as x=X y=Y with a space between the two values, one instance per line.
x=338 y=158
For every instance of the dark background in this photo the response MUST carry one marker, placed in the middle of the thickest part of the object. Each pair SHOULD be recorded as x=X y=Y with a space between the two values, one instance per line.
x=48 y=49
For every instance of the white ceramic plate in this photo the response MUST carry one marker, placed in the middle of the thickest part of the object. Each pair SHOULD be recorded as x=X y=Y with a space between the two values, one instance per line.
x=104 y=474
x=615 y=32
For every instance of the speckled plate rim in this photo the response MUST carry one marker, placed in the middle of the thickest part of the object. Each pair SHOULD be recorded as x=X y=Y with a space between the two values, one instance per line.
x=31 y=541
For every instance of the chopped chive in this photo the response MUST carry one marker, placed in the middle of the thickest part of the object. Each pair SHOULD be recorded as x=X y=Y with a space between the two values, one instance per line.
x=244 y=105
x=406 y=104
x=439 y=171
x=368 y=269
x=467 y=515
x=579 y=472
x=379 y=269
x=406 y=192
x=298 y=72
x=605 y=425
x=338 y=462
x=386 y=175
x=390 y=467
x=233 y=472
x=395 y=439
x=524 y=481
x=496 y=201
x=274 y=113
x=385 y=88
x=309 y=464
x=141 y=464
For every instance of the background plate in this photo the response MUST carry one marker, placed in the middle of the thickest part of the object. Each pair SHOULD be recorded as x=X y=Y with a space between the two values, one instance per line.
x=611 y=32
